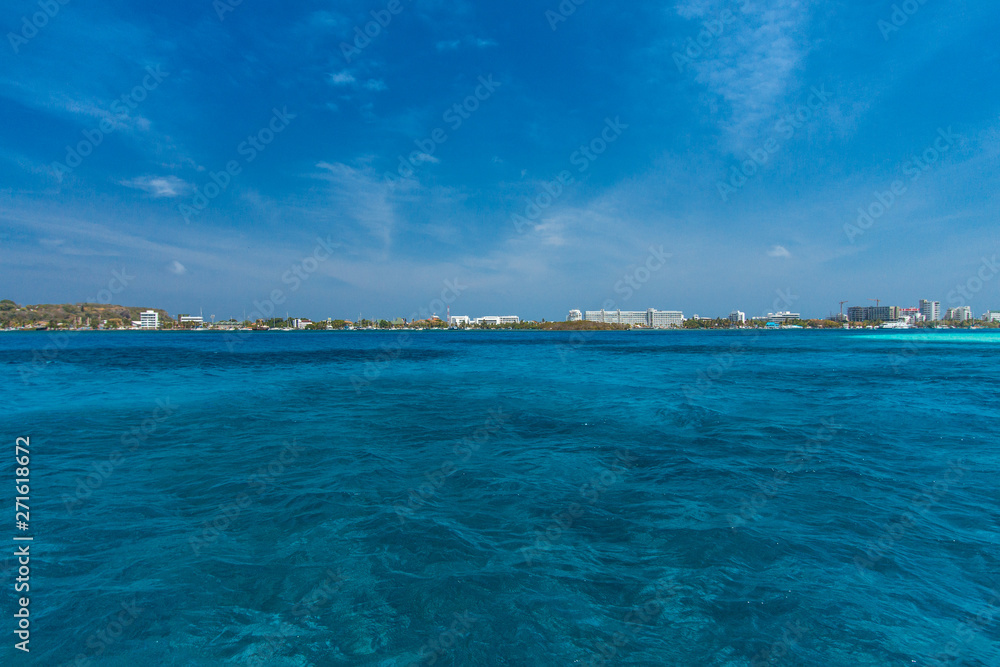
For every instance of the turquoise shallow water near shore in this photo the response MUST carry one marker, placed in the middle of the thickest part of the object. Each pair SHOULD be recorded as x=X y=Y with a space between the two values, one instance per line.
x=521 y=498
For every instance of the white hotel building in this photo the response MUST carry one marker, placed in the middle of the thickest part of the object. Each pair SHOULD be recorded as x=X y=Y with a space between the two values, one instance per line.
x=960 y=314
x=652 y=318
x=931 y=310
x=496 y=321
x=149 y=319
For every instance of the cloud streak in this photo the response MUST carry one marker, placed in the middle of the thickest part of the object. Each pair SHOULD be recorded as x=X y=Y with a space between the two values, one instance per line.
x=159 y=186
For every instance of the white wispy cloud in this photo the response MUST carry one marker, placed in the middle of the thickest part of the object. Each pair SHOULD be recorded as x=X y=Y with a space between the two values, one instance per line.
x=424 y=157
x=363 y=194
x=177 y=268
x=159 y=186
x=779 y=251
x=343 y=78
x=469 y=41
x=327 y=20
x=752 y=66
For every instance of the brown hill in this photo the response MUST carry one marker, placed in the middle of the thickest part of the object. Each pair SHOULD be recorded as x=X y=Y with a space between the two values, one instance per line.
x=72 y=314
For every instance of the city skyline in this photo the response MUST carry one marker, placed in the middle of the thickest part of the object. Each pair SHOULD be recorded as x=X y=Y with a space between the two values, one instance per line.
x=925 y=311
x=713 y=155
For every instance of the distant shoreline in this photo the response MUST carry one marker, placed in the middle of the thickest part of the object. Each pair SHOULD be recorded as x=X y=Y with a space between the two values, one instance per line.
x=496 y=330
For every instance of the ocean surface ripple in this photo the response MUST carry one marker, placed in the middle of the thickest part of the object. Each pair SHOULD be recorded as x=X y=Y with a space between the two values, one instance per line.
x=508 y=498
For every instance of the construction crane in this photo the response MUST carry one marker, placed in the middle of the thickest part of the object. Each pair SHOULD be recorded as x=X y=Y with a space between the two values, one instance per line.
x=877 y=302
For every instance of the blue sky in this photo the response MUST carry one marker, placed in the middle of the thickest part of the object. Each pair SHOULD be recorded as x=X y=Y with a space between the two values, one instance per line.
x=834 y=101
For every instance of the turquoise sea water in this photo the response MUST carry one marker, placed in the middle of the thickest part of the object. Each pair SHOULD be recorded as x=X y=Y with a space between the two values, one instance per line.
x=506 y=498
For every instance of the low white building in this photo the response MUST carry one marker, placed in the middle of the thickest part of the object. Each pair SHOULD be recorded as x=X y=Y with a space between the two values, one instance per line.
x=738 y=317
x=301 y=323
x=149 y=319
x=991 y=316
x=574 y=316
x=497 y=320
x=459 y=321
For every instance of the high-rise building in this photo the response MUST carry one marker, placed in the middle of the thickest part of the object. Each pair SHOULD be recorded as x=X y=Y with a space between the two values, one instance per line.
x=574 y=316
x=149 y=319
x=931 y=310
x=738 y=317
x=873 y=313
x=960 y=314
